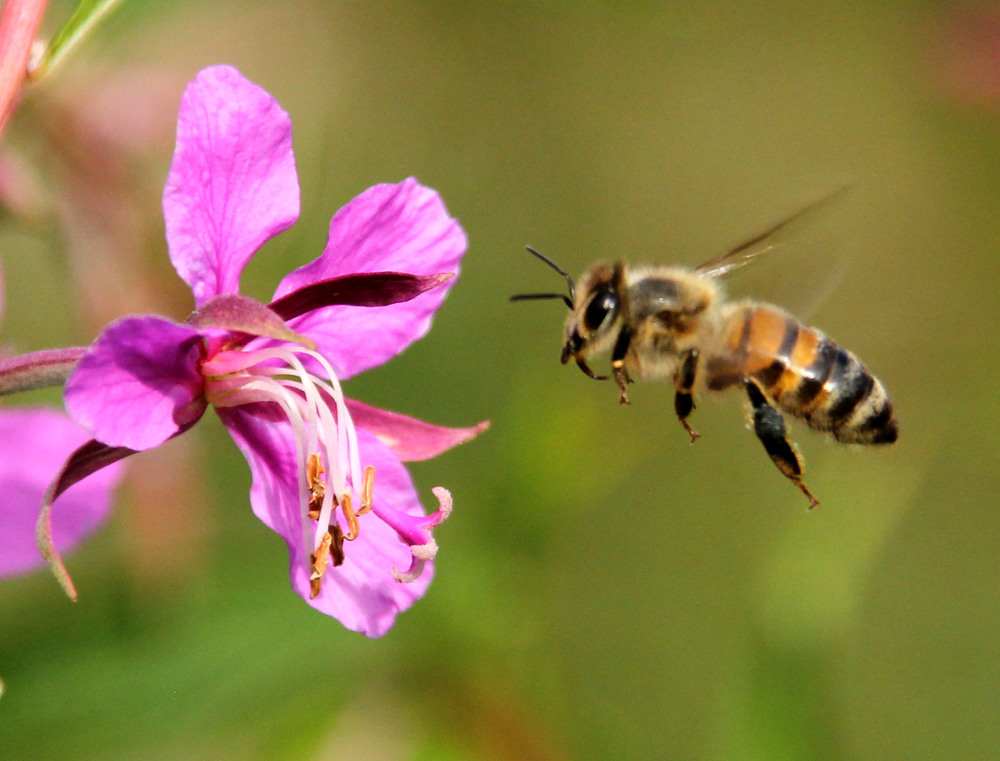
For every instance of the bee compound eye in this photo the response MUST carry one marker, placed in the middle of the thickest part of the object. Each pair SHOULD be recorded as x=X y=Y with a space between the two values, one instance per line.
x=601 y=309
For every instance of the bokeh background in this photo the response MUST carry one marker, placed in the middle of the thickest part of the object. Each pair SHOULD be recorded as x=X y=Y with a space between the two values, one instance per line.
x=604 y=589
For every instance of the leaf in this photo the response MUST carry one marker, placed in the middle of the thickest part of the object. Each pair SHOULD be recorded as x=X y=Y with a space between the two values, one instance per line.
x=83 y=21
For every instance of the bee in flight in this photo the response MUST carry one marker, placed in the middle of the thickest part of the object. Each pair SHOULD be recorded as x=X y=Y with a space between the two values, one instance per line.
x=675 y=323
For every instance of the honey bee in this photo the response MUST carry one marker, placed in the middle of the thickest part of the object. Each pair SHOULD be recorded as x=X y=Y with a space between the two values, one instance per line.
x=666 y=322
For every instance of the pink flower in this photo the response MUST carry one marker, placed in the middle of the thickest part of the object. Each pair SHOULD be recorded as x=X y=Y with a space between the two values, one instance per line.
x=33 y=441
x=327 y=471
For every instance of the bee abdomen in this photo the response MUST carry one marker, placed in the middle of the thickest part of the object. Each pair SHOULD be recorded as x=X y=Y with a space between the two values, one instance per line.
x=810 y=377
x=856 y=408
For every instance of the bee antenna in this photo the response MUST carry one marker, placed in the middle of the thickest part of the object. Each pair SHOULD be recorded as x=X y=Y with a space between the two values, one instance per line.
x=568 y=300
x=534 y=296
x=556 y=267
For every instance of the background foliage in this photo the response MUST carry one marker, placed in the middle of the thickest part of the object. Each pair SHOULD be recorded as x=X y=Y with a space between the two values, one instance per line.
x=604 y=589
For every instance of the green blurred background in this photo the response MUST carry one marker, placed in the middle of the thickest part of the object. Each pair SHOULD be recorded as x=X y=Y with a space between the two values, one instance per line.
x=604 y=589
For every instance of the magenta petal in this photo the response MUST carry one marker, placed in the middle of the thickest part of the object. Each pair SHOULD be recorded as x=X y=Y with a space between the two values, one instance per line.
x=35 y=443
x=139 y=383
x=407 y=438
x=232 y=184
x=362 y=593
x=388 y=228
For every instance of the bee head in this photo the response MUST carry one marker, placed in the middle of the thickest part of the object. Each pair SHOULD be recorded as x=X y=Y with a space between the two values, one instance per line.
x=591 y=326
x=591 y=315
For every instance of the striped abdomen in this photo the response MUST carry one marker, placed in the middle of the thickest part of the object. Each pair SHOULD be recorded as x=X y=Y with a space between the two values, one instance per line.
x=804 y=373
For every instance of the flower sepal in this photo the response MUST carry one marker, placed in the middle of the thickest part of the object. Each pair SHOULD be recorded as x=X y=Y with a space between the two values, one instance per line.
x=246 y=318
x=371 y=289
x=89 y=458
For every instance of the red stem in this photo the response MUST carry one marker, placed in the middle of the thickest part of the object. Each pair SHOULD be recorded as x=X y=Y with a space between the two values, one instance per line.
x=19 y=21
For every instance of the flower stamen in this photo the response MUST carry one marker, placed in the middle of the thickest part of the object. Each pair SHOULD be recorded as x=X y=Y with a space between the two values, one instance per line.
x=367 y=484
x=330 y=550
x=319 y=559
x=353 y=529
x=337 y=547
x=317 y=486
x=315 y=407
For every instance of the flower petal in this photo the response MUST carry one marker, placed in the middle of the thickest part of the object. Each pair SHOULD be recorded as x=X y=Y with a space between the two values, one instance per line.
x=362 y=593
x=36 y=441
x=407 y=438
x=232 y=184
x=138 y=384
x=388 y=228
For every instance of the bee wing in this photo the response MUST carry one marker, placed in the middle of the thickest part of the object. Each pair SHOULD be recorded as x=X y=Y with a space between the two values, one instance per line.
x=738 y=257
x=760 y=244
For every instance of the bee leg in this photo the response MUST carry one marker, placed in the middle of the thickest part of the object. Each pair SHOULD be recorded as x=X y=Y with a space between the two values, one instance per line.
x=683 y=400
x=622 y=377
x=769 y=426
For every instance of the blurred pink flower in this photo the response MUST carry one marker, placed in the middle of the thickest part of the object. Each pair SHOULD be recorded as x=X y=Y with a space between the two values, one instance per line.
x=327 y=471
x=33 y=441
